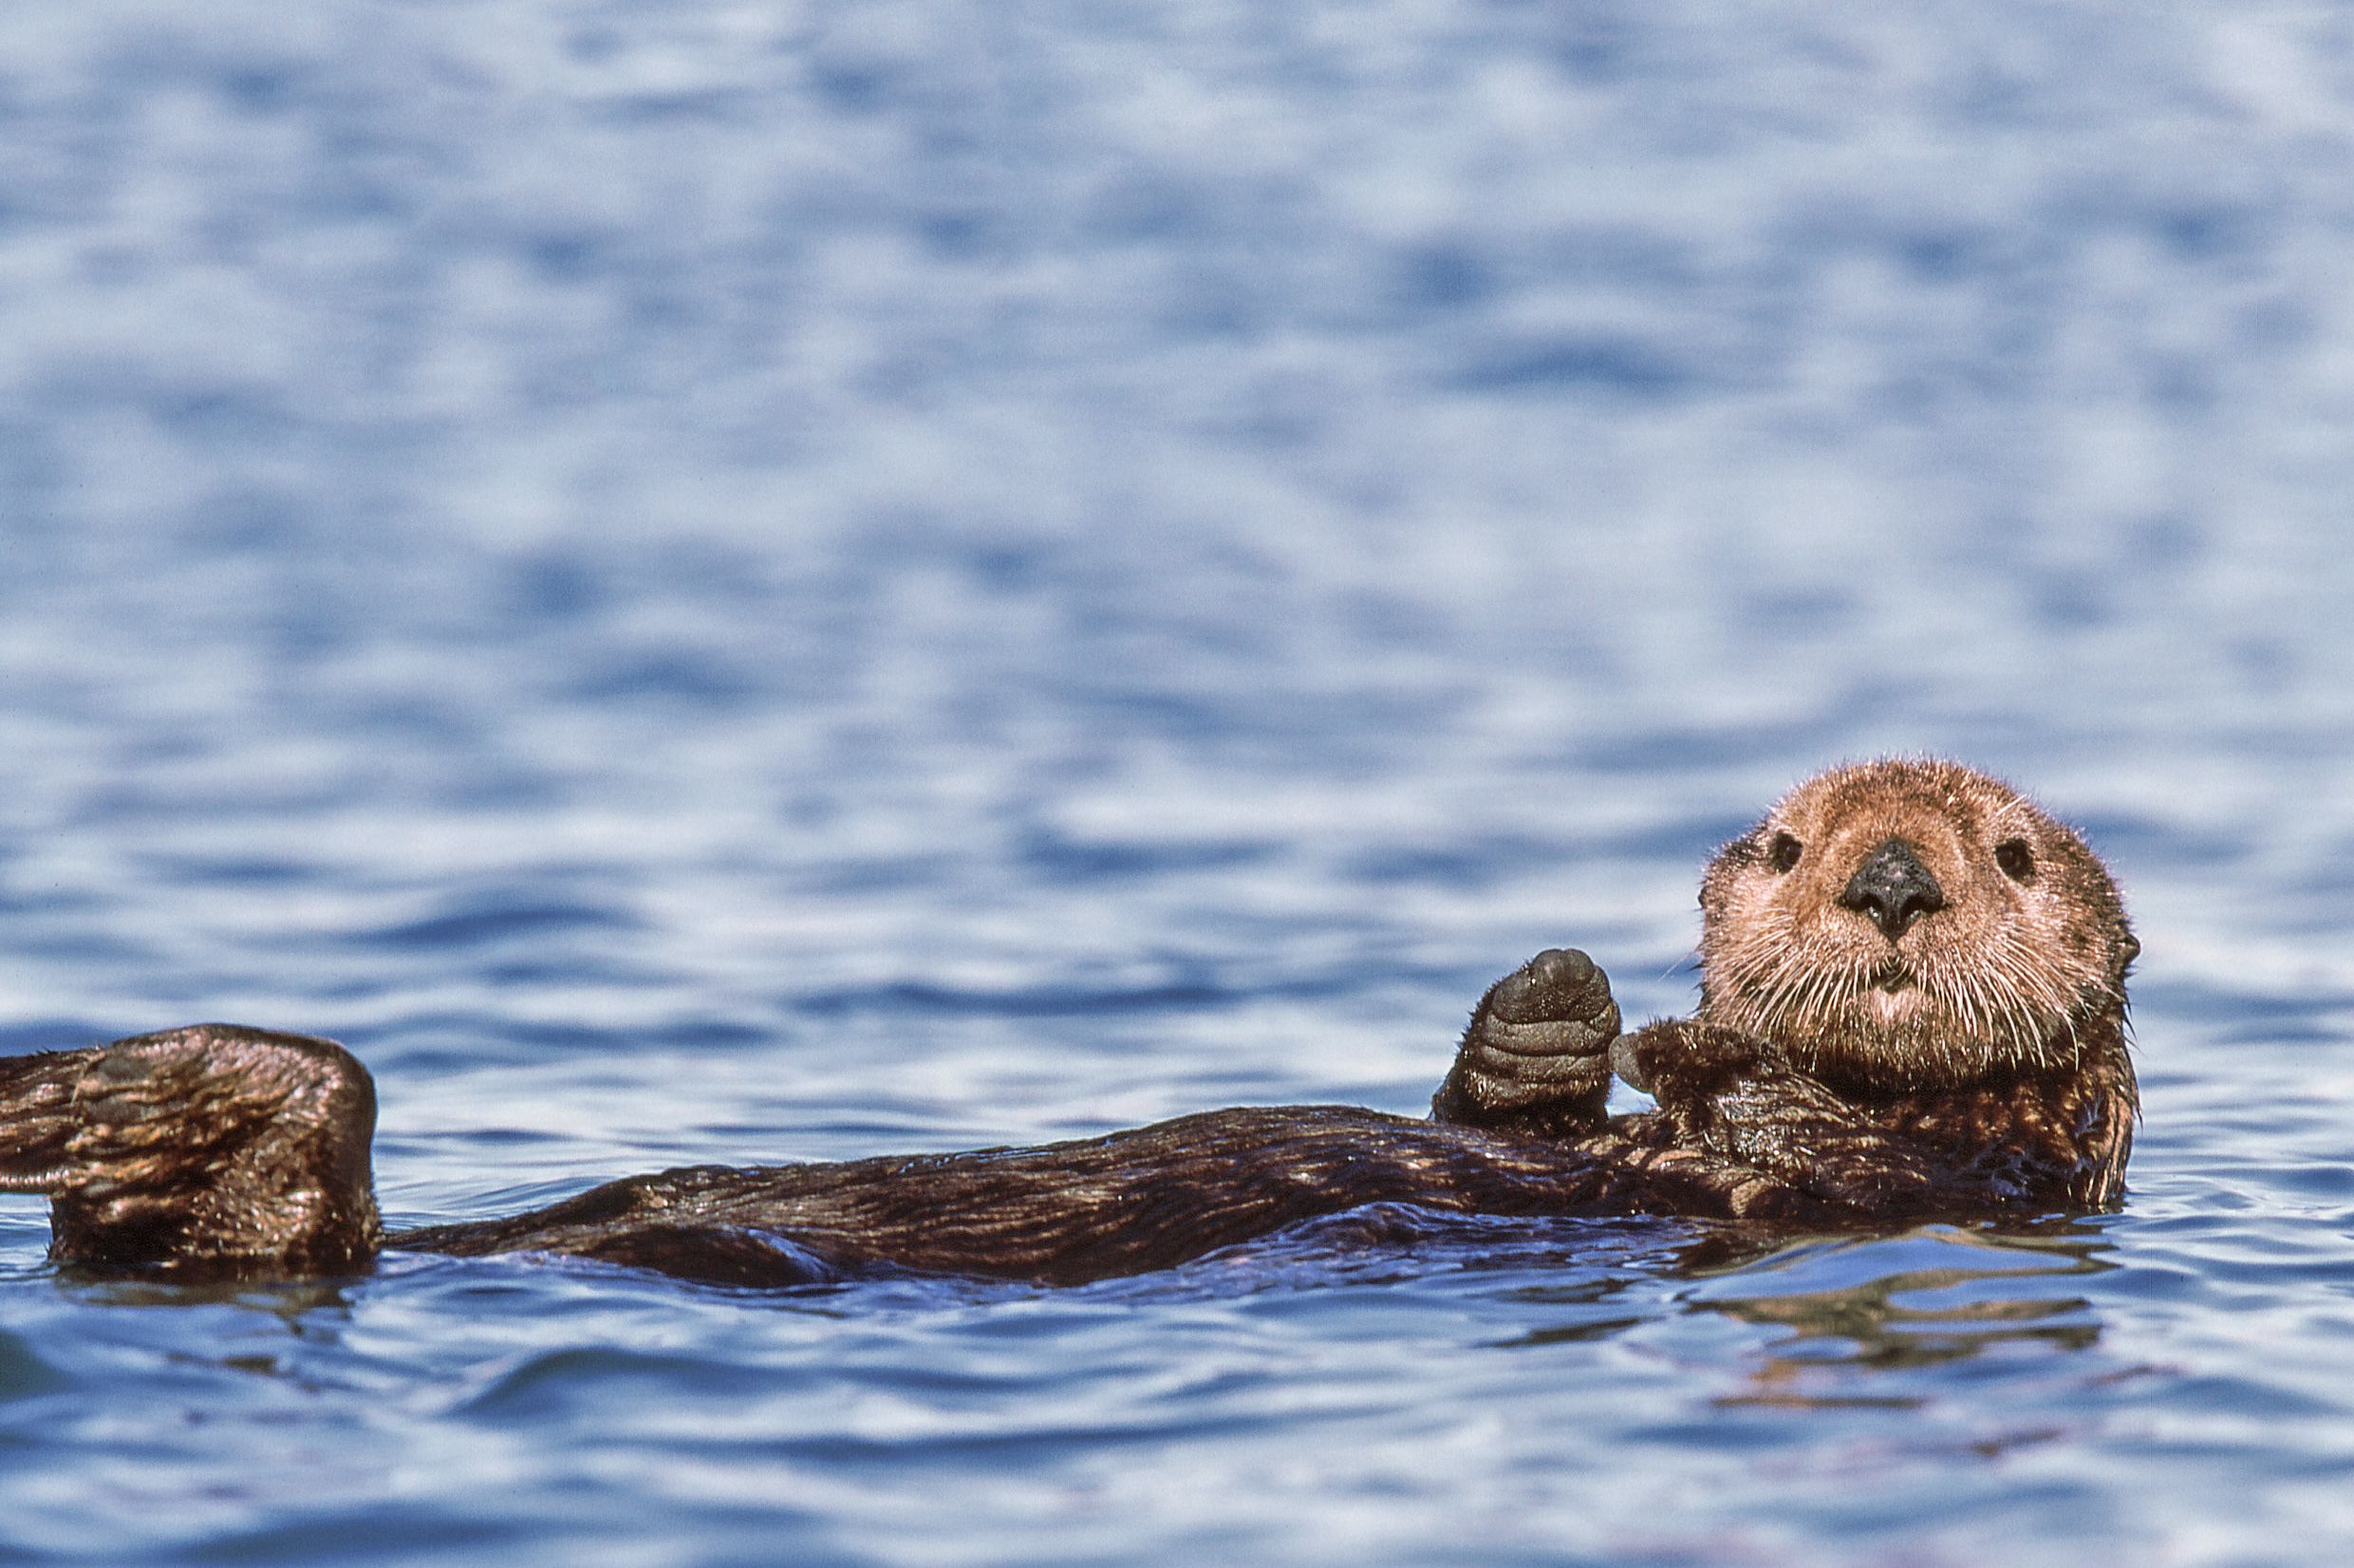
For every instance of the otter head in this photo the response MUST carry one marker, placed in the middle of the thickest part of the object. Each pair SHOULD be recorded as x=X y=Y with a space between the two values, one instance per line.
x=1910 y=924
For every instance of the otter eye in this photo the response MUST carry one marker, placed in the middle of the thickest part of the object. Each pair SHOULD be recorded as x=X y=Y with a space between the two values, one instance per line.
x=2015 y=859
x=1782 y=853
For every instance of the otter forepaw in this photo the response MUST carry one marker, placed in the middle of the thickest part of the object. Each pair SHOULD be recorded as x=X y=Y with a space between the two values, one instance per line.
x=1679 y=1057
x=1537 y=1056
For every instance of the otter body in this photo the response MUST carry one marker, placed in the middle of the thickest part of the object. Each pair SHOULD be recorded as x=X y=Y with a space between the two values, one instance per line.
x=1912 y=1003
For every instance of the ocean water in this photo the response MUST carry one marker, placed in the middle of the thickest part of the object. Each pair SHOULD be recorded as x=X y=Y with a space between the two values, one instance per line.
x=714 y=581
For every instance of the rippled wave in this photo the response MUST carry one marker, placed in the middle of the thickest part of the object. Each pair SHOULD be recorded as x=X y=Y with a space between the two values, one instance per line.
x=724 y=583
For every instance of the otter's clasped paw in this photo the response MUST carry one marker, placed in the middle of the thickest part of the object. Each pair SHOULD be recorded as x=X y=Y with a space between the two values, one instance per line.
x=1537 y=1056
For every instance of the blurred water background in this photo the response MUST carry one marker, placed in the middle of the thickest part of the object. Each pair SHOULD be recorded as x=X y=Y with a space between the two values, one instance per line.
x=724 y=581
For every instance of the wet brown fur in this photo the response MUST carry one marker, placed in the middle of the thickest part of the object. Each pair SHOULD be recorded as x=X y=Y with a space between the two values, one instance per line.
x=1975 y=1063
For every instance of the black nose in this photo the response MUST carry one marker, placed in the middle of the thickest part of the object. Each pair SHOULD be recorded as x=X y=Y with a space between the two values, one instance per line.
x=1893 y=887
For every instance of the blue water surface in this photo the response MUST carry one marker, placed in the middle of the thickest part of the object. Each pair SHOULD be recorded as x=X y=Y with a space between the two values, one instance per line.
x=720 y=581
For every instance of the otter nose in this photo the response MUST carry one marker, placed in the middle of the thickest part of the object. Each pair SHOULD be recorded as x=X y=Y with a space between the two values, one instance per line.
x=1893 y=887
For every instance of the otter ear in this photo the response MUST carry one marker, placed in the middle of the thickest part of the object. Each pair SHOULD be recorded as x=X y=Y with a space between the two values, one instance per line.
x=1741 y=851
x=2128 y=949
x=1732 y=858
x=1729 y=860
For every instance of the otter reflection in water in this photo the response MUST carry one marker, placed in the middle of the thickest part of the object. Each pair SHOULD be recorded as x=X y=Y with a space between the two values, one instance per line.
x=1912 y=1003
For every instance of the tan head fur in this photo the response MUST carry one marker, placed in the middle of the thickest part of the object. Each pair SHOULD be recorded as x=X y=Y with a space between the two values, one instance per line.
x=1912 y=923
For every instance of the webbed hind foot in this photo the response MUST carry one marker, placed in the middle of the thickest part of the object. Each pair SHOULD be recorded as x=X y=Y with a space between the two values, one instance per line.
x=213 y=1148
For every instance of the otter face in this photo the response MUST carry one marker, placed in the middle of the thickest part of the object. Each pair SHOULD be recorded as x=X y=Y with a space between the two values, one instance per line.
x=1911 y=924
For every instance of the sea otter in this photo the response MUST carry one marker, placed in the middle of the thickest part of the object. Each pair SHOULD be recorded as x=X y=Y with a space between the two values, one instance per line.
x=1912 y=1003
